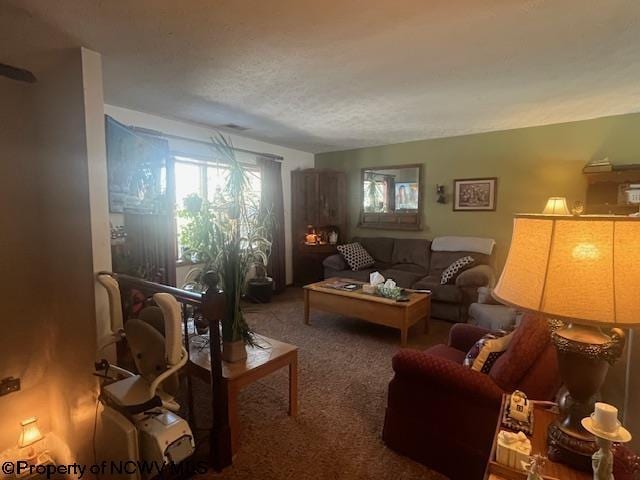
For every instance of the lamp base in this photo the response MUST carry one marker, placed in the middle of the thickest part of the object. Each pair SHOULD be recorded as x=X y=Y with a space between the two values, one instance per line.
x=584 y=356
x=570 y=449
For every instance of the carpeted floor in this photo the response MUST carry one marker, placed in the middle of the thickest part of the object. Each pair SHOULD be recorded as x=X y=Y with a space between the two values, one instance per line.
x=344 y=368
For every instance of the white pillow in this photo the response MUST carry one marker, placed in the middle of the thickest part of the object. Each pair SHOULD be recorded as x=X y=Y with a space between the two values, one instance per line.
x=356 y=256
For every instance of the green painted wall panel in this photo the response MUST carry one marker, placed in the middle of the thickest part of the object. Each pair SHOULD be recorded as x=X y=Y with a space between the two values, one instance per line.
x=531 y=164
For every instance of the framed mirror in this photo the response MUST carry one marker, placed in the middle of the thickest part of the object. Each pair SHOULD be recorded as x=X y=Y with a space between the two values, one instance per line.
x=391 y=197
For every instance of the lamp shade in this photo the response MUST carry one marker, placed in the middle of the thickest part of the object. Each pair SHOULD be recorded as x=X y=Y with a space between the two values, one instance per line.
x=584 y=269
x=556 y=206
x=30 y=433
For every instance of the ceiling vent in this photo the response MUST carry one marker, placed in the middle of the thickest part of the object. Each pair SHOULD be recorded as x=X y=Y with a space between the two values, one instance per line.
x=233 y=126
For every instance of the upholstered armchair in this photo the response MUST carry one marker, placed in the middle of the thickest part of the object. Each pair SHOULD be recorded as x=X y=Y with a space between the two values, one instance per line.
x=443 y=414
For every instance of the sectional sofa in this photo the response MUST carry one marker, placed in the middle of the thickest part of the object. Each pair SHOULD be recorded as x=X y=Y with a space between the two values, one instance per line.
x=419 y=263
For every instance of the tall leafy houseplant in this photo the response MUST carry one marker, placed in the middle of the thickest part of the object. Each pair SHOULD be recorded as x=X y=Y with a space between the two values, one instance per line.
x=232 y=233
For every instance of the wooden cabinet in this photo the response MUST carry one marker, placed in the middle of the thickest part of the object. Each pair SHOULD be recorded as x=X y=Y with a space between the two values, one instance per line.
x=606 y=190
x=307 y=262
x=318 y=198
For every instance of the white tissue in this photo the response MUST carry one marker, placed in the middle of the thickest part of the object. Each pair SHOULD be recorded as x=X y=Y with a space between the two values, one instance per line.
x=390 y=283
x=376 y=278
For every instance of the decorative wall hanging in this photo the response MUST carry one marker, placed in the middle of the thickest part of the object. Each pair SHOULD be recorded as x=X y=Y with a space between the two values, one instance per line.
x=136 y=165
x=474 y=194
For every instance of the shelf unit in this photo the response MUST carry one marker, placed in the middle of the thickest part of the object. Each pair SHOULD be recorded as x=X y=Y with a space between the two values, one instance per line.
x=605 y=190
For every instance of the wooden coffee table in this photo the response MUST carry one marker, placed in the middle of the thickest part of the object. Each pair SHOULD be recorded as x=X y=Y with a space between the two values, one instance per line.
x=269 y=356
x=372 y=308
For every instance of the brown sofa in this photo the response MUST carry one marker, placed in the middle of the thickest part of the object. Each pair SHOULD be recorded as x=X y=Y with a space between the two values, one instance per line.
x=411 y=263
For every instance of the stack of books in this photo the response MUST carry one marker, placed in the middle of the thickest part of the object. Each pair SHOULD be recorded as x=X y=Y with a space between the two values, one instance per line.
x=596 y=166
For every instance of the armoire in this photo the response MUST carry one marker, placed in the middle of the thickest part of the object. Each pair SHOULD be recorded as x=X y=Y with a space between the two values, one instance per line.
x=318 y=202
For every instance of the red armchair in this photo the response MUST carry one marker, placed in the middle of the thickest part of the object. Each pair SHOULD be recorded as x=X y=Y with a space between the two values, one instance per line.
x=444 y=415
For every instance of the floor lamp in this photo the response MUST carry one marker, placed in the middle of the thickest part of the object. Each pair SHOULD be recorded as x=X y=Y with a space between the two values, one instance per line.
x=583 y=273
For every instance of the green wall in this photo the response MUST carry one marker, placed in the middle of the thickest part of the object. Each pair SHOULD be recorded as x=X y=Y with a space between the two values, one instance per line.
x=531 y=164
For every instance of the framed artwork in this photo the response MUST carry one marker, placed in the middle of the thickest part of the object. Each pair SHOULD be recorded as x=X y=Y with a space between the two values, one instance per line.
x=474 y=194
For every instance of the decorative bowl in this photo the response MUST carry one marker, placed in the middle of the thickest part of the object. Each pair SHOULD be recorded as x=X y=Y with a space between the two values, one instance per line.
x=394 y=293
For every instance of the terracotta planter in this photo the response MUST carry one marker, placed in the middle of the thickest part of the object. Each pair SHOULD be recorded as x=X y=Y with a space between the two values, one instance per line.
x=234 y=351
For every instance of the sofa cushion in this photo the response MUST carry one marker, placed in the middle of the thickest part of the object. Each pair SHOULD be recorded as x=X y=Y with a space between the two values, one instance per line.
x=529 y=340
x=441 y=260
x=356 y=256
x=409 y=267
x=439 y=293
x=412 y=250
x=380 y=248
x=402 y=278
x=382 y=266
x=476 y=276
x=335 y=262
x=444 y=351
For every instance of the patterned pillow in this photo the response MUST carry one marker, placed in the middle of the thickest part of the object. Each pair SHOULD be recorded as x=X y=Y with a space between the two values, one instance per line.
x=453 y=270
x=487 y=350
x=356 y=256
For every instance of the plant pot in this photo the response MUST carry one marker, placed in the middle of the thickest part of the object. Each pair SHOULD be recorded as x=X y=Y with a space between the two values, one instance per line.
x=234 y=351
x=260 y=290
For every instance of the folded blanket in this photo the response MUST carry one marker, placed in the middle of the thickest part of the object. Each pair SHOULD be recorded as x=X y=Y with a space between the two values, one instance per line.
x=463 y=244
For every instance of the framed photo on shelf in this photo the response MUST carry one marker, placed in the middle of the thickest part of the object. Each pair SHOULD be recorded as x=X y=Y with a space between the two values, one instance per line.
x=474 y=194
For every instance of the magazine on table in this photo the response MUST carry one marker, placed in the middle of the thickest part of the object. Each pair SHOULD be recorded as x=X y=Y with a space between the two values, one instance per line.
x=343 y=285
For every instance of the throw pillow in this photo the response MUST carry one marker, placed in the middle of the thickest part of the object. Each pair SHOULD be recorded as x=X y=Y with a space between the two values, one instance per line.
x=530 y=339
x=453 y=270
x=487 y=350
x=356 y=256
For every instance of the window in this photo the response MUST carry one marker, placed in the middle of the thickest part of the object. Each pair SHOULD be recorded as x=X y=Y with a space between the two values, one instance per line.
x=206 y=179
x=376 y=195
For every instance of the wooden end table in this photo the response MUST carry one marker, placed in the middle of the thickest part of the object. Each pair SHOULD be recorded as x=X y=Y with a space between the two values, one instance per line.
x=543 y=417
x=372 y=308
x=259 y=363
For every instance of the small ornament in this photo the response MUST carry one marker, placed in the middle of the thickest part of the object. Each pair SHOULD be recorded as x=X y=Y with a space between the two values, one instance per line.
x=605 y=426
x=578 y=208
x=333 y=237
x=534 y=469
x=311 y=238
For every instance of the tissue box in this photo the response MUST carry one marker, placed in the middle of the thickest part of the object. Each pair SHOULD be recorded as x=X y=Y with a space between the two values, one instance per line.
x=368 y=288
x=513 y=449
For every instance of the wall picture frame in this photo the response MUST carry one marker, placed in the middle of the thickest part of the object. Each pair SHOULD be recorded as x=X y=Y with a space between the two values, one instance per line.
x=475 y=194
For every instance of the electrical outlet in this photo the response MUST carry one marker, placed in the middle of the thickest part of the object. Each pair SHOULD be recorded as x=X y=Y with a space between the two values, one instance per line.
x=9 y=385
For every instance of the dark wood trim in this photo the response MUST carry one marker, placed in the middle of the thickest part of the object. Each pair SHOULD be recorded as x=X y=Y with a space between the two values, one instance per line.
x=393 y=217
x=495 y=195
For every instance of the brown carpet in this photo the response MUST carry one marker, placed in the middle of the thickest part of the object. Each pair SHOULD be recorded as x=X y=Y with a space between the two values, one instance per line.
x=344 y=369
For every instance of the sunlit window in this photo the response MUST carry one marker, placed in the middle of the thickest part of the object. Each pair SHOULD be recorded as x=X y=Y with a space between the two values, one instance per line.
x=207 y=180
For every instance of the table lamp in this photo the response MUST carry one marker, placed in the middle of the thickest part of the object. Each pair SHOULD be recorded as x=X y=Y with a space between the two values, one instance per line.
x=556 y=206
x=29 y=435
x=583 y=273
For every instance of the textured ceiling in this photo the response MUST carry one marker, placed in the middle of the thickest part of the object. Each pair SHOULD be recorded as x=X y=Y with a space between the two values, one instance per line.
x=339 y=74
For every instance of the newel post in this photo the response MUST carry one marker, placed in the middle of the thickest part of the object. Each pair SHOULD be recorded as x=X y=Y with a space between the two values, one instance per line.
x=213 y=307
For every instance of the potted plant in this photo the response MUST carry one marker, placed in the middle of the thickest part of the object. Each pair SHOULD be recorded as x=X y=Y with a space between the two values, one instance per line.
x=196 y=233
x=231 y=234
x=260 y=287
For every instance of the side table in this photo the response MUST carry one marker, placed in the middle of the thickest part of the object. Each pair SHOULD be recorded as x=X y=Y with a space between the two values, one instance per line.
x=543 y=416
x=261 y=361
